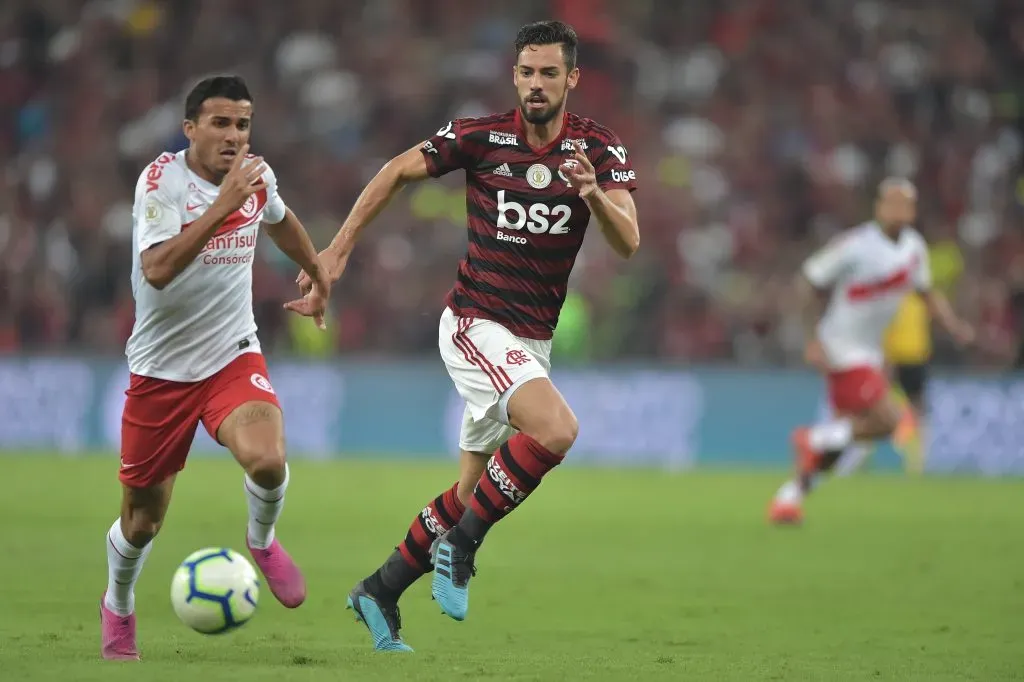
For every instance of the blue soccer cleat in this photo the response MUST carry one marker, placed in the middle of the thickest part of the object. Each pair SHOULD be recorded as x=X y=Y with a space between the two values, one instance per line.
x=380 y=617
x=453 y=567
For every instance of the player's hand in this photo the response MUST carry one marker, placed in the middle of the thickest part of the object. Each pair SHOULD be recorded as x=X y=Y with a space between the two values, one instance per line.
x=333 y=265
x=580 y=171
x=313 y=304
x=814 y=356
x=242 y=181
x=963 y=334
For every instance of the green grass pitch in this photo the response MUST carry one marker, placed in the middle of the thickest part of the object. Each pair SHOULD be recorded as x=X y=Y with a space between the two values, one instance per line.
x=603 y=575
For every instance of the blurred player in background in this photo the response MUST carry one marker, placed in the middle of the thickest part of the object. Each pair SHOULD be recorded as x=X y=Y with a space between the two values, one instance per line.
x=908 y=349
x=869 y=270
x=193 y=354
x=534 y=177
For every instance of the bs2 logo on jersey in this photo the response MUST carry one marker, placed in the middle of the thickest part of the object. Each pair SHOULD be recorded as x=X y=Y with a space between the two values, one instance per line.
x=536 y=218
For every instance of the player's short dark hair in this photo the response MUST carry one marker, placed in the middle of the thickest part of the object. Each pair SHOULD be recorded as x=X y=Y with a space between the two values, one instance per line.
x=550 y=33
x=228 y=87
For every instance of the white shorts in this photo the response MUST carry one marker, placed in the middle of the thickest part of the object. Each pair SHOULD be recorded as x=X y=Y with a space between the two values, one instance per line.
x=488 y=364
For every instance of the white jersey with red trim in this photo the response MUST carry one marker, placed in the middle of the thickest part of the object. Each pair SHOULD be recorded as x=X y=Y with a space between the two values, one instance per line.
x=203 y=319
x=869 y=273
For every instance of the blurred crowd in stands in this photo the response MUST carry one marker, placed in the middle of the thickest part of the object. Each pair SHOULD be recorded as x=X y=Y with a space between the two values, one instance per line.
x=758 y=129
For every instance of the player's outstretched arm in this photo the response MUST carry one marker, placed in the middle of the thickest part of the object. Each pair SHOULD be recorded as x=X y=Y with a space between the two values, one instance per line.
x=409 y=166
x=940 y=309
x=162 y=262
x=291 y=237
x=811 y=303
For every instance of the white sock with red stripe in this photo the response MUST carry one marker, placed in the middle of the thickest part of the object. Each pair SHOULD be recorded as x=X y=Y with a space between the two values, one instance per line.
x=790 y=493
x=124 y=564
x=831 y=436
x=852 y=458
x=264 y=509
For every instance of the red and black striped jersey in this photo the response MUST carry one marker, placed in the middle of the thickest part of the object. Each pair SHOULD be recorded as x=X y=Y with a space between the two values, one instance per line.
x=526 y=223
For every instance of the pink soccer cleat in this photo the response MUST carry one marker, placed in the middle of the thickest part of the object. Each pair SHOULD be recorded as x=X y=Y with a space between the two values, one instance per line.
x=283 y=577
x=785 y=513
x=118 y=635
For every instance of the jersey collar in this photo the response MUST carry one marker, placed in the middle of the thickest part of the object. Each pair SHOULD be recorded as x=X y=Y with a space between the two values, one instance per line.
x=545 y=150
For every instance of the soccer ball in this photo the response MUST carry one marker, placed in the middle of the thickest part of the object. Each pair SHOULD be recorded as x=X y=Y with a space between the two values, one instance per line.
x=215 y=590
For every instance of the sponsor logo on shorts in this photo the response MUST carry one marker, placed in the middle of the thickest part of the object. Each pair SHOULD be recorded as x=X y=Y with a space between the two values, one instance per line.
x=516 y=356
x=505 y=484
x=261 y=382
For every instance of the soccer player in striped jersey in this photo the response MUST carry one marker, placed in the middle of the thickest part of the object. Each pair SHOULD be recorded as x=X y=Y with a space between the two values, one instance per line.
x=535 y=175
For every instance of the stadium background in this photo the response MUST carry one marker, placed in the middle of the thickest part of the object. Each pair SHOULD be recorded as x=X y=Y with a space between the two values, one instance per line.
x=757 y=128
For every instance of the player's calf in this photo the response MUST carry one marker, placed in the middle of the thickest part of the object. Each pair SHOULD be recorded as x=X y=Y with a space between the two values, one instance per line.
x=254 y=433
x=819 y=448
x=547 y=430
x=128 y=543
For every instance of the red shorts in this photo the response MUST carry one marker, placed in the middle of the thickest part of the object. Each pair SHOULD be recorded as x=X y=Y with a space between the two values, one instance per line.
x=160 y=417
x=855 y=390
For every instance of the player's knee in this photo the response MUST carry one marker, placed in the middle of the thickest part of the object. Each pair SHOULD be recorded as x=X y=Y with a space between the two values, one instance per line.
x=264 y=464
x=891 y=419
x=884 y=420
x=558 y=433
x=140 y=528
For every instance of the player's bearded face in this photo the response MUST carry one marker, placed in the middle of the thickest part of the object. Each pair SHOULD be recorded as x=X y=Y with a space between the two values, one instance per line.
x=219 y=133
x=542 y=82
x=537 y=107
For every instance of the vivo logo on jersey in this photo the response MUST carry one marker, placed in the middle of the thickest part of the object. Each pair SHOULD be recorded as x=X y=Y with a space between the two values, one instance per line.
x=893 y=283
x=156 y=170
x=536 y=217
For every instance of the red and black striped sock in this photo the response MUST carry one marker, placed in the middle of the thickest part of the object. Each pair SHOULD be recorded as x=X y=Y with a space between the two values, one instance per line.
x=411 y=559
x=512 y=473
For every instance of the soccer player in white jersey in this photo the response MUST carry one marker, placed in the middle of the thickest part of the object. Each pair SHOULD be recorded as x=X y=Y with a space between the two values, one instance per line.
x=193 y=353
x=868 y=270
